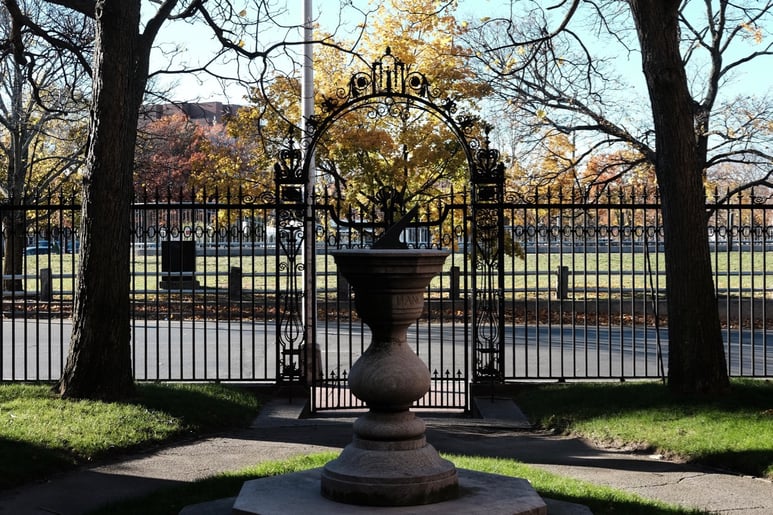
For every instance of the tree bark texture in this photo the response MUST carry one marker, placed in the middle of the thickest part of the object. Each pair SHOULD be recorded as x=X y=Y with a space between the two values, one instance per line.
x=14 y=222
x=14 y=242
x=696 y=359
x=99 y=362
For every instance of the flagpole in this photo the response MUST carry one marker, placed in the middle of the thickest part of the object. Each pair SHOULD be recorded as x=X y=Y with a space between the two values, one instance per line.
x=307 y=70
x=311 y=350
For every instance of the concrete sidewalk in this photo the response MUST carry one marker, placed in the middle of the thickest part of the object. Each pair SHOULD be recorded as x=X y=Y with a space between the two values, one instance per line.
x=279 y=432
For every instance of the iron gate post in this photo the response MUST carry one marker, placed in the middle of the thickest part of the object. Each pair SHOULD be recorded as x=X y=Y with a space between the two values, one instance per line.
x=290 y=181
x=488 y=280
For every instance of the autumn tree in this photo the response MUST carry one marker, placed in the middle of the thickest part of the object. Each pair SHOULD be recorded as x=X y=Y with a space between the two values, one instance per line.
x=413 y=153
x=42 y=119
x=403 y=149
x=555 y=165
x=689 y=54
x=238 y=157
x=167 y=151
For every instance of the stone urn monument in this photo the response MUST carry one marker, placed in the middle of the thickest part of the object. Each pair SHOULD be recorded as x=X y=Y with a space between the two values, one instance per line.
x=389 y=462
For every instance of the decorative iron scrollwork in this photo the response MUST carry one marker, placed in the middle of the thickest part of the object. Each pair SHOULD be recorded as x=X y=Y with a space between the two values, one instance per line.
x=487 y=177
x=467 y=124
x=289 y=168
x=388 y=76
x=488 y=167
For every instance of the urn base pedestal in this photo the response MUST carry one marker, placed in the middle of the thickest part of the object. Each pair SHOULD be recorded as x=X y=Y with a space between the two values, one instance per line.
x=389 y=462
x=376 y=473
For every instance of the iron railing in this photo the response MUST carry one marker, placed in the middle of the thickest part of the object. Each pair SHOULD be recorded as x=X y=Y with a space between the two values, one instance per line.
x=583 y=291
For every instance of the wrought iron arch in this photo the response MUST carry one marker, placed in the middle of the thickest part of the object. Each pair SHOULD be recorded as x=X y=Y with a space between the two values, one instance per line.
x=390 y=84
x=390 y=88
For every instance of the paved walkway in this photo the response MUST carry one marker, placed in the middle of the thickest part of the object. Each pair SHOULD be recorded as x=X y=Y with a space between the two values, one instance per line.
x=279 y=433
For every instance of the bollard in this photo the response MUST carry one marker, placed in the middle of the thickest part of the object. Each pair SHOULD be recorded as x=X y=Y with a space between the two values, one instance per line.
x=235 y=283
x=46 y=285
x=456 y=276
x=562 y=282
x=311 y=363
x=342 y=286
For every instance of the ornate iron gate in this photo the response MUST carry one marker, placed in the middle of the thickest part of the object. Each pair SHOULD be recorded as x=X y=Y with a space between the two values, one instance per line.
x=317 y=331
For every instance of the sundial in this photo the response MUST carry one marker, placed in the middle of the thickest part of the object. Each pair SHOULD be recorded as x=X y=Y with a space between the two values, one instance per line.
x=391 y=237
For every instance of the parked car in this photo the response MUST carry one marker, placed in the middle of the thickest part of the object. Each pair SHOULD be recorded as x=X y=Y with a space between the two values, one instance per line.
x=72 y=247
x=42 y=247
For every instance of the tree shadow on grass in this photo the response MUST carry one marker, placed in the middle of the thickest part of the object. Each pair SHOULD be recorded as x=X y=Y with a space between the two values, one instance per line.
x=37 y=462
x=756 y=462
x=203 y=409
x=582 y=401
x=566 y=407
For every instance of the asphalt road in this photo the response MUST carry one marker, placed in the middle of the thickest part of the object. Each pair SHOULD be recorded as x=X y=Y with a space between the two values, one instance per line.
x=243 y=351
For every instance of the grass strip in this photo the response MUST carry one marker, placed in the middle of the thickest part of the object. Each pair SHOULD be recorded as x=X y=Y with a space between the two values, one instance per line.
x=41 y=434
x=601 y=500
x=732 y=432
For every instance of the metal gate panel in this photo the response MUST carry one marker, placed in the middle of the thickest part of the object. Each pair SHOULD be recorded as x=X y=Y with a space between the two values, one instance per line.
x=440 y=336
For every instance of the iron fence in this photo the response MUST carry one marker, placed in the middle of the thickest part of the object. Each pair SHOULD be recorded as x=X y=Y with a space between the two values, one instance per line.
x=583 y=291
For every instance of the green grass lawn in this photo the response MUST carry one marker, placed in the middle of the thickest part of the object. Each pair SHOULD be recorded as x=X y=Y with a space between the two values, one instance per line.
x=734 y=431
x=41 y=434
x=590 y=271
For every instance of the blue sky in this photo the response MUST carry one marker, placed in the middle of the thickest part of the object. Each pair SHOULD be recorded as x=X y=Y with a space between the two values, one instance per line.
x=198 y=45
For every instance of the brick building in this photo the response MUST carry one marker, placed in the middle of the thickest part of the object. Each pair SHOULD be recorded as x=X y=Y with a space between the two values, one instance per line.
x=205 y=113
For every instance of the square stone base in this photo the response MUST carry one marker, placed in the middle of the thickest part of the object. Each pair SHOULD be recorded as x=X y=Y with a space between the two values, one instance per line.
x=484 y=494
x=488 y=494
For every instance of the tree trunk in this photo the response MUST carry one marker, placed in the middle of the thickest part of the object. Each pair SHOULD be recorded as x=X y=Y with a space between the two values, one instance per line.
x=696 y=361
x=99 y=362
x=14 y=242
